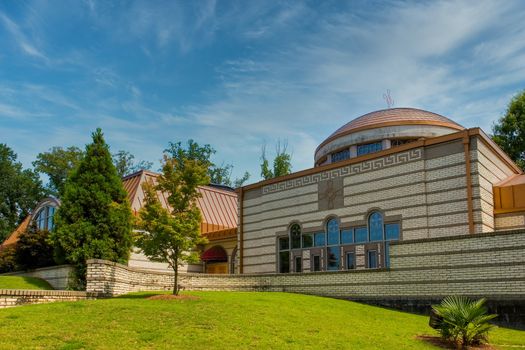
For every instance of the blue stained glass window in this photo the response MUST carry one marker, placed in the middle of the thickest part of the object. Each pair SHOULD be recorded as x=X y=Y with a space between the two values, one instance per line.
x=387 y=254
x=332 y=227
x=308 y=240
x=375 y=224
x=319 y=239
x=369 y=148
x=45 y=218
x=347 y=236
x=332 y=257
x=391 y=232
x=361 y=235
x=339 y=156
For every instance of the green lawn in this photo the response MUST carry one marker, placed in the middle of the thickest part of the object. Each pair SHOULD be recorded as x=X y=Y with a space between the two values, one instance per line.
x=17 y=282
x=218 y=320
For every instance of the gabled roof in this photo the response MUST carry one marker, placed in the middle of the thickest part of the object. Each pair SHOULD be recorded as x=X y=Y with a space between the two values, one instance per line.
x=218 y=205
x=13 y=237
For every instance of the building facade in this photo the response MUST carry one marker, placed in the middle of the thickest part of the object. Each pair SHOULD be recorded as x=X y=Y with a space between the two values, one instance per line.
x=396 y=174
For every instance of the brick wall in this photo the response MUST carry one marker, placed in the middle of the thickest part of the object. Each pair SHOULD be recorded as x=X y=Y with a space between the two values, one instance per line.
x=10 y=298
x=488 y=264
x=57 y=276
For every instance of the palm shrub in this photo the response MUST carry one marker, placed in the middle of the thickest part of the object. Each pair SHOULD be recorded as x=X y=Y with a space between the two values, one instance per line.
x=464 y=321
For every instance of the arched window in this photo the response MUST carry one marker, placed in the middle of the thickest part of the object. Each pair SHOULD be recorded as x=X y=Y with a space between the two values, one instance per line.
x=45 y=218
x=295 y=236
x=332 y=228
x=375 y=226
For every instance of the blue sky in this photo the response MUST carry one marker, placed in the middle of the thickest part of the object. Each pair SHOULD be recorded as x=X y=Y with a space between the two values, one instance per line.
x=238 y=75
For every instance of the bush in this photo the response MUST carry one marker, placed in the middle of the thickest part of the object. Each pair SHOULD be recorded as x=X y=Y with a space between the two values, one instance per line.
x=463 y=321
x=7 y=259
x=33 y=250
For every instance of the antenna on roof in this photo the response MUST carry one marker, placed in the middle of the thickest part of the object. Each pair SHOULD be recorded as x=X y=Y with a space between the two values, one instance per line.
x=388 y=99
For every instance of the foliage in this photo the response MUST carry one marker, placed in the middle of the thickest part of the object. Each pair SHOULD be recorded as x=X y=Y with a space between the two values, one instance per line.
x=33 y=249
x=94 y=219
x=7 y=259
x=282 y=163
x=172 y=236
x=221 y=320
x=57 y=164
x=464 y=321
x=22 y=282
x=220 y=175
x=509 y=131
x=124 y=162
x=20 y=191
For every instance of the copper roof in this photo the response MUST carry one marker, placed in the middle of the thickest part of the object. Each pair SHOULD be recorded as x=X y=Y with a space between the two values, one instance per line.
x=390 y=117
x=13 y=237
x=218 y=206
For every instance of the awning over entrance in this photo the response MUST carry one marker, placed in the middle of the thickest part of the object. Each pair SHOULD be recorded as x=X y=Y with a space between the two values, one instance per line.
x=215 y=253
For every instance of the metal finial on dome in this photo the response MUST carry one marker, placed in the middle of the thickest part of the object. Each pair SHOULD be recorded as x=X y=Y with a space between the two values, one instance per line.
x=388 y=99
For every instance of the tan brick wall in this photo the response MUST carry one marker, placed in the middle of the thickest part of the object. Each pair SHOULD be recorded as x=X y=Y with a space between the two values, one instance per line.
x=510 y=221
x=11 y=298
x=489 y=265
x=57 y=276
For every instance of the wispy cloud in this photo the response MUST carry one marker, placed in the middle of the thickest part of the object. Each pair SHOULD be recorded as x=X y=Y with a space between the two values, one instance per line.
x=20 y=38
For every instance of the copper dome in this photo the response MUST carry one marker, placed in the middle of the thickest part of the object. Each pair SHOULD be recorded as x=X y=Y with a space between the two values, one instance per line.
x=390 y=117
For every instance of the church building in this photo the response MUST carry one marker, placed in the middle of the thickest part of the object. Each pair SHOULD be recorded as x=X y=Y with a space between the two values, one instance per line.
x=390 y=175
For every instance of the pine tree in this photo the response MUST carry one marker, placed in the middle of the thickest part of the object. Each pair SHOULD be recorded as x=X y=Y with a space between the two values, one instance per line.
x=94 y=220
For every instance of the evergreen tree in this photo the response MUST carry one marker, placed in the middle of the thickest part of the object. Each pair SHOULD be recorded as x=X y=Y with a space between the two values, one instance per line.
x=509 y=131
x=94 y=220
x=171 y=236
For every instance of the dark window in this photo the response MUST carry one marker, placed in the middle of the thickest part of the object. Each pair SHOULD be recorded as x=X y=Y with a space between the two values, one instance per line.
x=332 y=227
x=332 y=257
x=347 y=236
x=350 y=261
x=308 y=240
x=45 y=218
x=284 y=243
x=372 y=259
x=284 y=262
x=317 y=263
x=375 y=224
x=395 y=143
x=369 y=148
x=319 y=239
x=295 y=235
x=391 y=232
x=361 y=235
x=298 y=264
x=341 y=155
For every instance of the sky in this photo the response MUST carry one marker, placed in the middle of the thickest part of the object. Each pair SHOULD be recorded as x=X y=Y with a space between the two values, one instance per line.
x=242 y=74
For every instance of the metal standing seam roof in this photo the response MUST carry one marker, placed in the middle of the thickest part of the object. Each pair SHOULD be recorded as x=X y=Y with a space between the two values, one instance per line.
x=392 y=116
x=218 y=206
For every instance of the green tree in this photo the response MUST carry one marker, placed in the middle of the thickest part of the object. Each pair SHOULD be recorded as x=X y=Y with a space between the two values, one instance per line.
x=282 y=163
x=509 y=131
x=20 y=191
x=57 y=164
x=125 y=164
x=7 y=259
x=220 y=175
x=94 y=219
x=171 y=236
x=33 y=249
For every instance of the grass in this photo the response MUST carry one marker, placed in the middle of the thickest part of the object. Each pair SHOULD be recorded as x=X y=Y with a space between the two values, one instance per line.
x=17 y=282
x=219 y=320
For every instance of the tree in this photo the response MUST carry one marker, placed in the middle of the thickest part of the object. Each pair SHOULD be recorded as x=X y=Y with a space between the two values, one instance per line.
x=7 y=259
x=20 y=191
x=125 y=165
x=509 y=131
x=57 y=164
x=33 y=249
x=94 y=219
x=282 y=163
x=220 y=175
x=171 y=236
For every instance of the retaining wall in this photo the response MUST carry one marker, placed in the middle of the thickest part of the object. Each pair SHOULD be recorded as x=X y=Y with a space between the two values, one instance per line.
x=16 y=297
x=57 y=276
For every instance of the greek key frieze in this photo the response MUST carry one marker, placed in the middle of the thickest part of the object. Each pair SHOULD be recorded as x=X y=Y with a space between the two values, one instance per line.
x=368 y=165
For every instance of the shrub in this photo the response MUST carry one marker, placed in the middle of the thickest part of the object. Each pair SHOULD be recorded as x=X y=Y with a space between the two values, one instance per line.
x=464 y=321
x=7 y=259
x=33 y=250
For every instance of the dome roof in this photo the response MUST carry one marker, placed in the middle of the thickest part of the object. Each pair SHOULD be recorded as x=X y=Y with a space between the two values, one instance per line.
x=391 y=117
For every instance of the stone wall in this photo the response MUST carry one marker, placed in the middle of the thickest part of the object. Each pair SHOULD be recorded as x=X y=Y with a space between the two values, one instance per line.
x=11 y=298
x=57 y=276
x=488 y=265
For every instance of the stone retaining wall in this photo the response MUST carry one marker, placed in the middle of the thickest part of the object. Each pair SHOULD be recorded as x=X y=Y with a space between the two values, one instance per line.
x=16 y=297
x=57 y=276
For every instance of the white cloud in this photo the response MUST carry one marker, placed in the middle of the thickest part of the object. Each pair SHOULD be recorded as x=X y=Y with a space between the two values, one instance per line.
x=20 y=38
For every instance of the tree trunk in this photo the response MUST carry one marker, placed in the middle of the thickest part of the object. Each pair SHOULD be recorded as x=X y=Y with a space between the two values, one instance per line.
x=176 y=278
